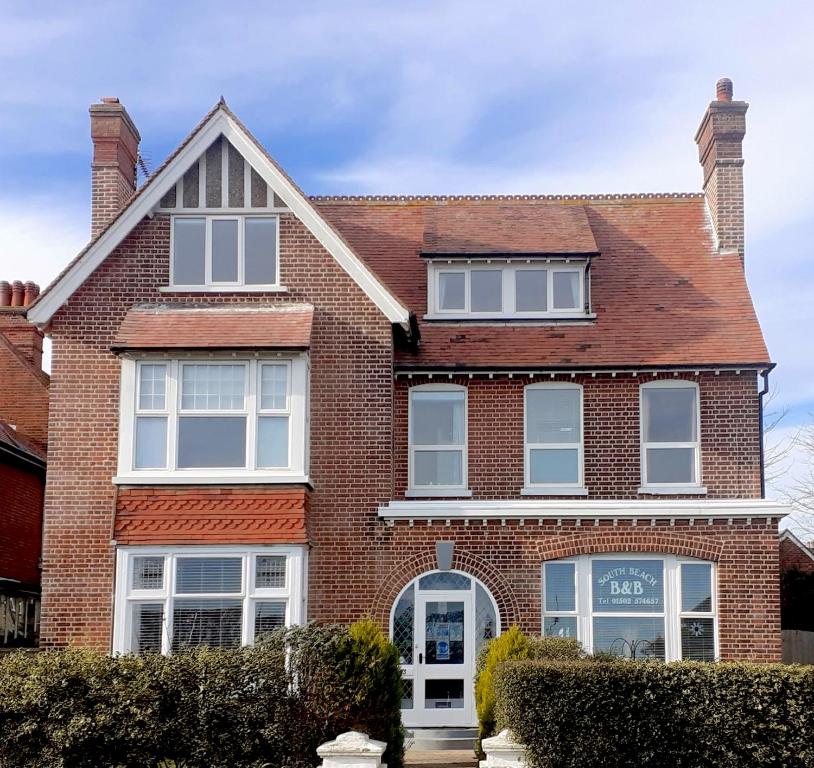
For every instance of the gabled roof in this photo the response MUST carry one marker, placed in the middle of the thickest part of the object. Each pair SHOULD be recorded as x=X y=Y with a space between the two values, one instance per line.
x=787 y=535
x=662 y=294
x=284 y=326
x=219 y=121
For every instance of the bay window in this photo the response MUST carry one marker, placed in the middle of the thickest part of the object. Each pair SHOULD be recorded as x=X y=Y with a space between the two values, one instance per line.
x=635 y=606
x=213 y=419
x=224 y=251
x=437 y=437
x=224 y=597
x=553 y=437
x=670 y=427
x=487 y=289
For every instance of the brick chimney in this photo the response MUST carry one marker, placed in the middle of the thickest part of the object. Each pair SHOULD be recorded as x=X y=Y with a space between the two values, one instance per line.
x=113 y=171
x=26 y=337
x=720 y=140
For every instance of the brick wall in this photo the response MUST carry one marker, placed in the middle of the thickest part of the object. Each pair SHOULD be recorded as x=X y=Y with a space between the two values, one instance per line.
x=730 y=436
x=22 y=495
x=23 y=386
x=508 y=559
x=351 y=419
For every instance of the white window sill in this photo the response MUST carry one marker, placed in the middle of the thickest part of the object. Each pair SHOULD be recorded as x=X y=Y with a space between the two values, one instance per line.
x=223 y=289
x=673 y=490
x=438 y=493
x=177 y=478
x=501 y=318
x=554 y=490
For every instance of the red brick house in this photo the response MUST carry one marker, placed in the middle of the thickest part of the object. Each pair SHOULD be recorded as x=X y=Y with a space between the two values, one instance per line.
x=454 y=414
x=23 y=444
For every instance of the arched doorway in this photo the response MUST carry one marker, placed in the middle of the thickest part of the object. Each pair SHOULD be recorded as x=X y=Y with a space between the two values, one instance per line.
x=439 y=622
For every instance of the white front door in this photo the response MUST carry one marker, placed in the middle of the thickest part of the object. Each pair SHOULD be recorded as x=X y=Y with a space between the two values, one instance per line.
x=439 y=622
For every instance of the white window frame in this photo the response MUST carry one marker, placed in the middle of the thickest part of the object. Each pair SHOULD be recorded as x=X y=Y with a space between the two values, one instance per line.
x=508 y=269
x=668 y=488
x=208 y=283
x=438 y=490
x=554 y=488
x=672 y=612
x=294 y=593
x=296 y=410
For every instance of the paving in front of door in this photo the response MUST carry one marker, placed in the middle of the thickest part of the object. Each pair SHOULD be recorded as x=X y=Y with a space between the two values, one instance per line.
x=449 y=758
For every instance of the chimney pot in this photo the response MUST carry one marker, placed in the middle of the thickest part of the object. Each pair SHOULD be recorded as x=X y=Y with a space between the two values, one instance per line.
x=110 y=100
x=30 y=293
x=17 y=293
x=723 y=89
x=5 y=293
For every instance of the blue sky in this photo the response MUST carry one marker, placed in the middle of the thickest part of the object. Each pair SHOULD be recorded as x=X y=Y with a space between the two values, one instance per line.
x=430 y=97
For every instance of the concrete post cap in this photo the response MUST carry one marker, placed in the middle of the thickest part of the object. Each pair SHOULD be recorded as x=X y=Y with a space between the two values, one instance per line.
x=352 y=744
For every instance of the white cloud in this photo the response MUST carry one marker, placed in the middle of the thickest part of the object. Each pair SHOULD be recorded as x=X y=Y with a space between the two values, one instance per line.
x=39 y=236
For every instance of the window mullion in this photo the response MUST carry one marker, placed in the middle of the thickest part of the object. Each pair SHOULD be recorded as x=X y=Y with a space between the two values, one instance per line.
x=173 y=402
x=208 y=251
x=169 y=565
x=252 y=407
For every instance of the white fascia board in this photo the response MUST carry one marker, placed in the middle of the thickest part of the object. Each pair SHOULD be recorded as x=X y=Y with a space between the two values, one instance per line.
x=220 y=123
x=509 y=510
x=317 y=226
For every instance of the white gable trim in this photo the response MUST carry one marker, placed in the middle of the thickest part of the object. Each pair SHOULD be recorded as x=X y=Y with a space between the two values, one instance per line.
x=787 y=535
x=145 y=204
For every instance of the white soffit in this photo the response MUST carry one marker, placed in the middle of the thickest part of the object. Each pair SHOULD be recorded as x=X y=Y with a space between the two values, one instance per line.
x=221 y=123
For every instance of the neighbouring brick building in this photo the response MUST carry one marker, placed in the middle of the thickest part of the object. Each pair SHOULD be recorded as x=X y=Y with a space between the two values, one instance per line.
x=452 y=413
x=23 y=445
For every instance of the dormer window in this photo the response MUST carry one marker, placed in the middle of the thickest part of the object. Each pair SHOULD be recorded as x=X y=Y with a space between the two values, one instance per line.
x=224 y=252
x=490 y=290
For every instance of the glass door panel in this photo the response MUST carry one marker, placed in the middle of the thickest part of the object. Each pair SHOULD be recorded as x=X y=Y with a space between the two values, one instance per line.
x=444 y=632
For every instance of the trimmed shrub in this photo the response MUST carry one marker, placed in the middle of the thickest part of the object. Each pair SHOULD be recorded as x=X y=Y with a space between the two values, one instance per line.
x=656 y=715
x=512 y=645
x=267 y=706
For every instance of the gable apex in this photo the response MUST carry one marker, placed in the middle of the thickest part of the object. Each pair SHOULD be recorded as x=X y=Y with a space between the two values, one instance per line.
x=219 y=122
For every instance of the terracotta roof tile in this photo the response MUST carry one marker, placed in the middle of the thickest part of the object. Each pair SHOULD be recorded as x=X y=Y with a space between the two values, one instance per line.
x=20 y=443
x=283 y=326
x=661 y=292
x=507 y=228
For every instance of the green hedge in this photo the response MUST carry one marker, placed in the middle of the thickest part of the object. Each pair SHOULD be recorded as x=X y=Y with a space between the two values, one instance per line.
x=512 y=645
x=266 y=706
x=655 y=715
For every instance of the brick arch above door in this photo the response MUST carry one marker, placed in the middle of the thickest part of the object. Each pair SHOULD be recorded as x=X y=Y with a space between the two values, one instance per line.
x=412 y=567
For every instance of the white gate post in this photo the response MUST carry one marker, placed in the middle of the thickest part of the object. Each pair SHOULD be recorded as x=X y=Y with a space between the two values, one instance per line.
x=502 y=751
x=352 y=750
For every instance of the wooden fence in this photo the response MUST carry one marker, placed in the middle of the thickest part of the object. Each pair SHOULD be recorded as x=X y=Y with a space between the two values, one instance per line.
x=798 y=646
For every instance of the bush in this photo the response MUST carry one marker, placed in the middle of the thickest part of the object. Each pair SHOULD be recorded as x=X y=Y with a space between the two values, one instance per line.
x=512 y=645
x=266 y=706
x=656 y=715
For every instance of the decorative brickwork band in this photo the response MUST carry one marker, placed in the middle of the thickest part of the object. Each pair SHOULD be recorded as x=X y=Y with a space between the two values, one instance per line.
x=210 y=516
x=409 y=569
